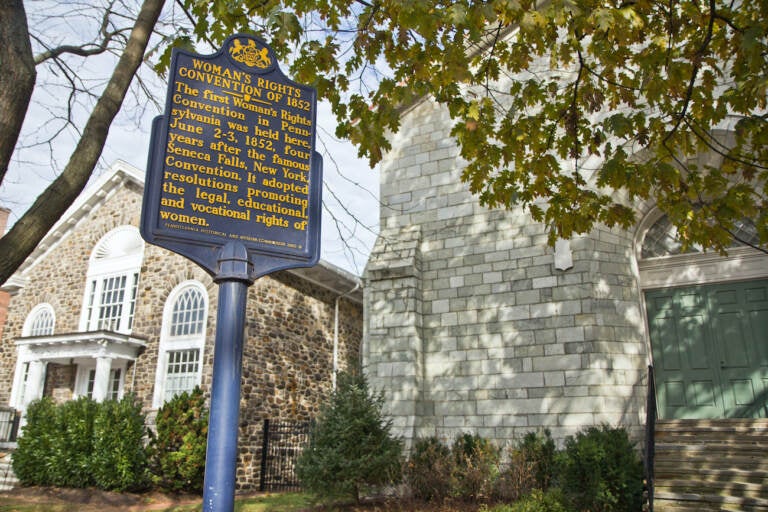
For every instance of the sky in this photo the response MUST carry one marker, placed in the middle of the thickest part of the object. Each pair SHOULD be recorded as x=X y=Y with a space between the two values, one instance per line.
x=350 y=191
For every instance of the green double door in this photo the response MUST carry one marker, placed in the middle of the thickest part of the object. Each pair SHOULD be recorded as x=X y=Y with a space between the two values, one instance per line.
x=710 y=350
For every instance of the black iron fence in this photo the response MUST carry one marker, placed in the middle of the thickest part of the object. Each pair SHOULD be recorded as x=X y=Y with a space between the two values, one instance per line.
x=281 y=447
x=9 y=424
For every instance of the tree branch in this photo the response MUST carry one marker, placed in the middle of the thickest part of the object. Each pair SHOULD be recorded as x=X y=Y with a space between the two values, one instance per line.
x=695 y=72
x=26 y=234
x=85 y=50
x=17 y=79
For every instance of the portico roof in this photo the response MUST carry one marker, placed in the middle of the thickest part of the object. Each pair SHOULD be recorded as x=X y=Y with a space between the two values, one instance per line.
x=84 y=344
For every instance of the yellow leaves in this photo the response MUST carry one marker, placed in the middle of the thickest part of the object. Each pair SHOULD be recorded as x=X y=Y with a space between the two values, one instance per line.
x=644 y=82
x=532 y=21
x=473 y=112
x=602 y=18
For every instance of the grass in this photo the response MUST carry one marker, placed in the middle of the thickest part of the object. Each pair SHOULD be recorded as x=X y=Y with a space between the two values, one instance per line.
x=289 y=502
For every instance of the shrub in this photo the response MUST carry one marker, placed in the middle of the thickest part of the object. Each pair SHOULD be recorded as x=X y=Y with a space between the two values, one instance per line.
x=177 y=450
x=32 y=460
x=476 y=466
x=81 y=443
x=531 y=466
x=74 y=448
x=119 y=460
x=538 y=500
x=430 y=471
x=601 y=471
x=350 y=446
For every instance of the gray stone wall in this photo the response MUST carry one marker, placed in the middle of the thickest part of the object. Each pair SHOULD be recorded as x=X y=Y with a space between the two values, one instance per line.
x=287 y=362
x=470 y=328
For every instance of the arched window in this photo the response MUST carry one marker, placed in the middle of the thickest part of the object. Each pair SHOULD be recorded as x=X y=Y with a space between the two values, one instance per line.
x=113 y=279
x=661 y=238
x=182 y=341
x=662 y=263
x=188 y=316
x=40 y=321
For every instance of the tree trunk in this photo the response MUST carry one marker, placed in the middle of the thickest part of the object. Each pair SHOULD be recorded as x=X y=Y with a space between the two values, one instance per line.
x=17 y=78
x=24 y=236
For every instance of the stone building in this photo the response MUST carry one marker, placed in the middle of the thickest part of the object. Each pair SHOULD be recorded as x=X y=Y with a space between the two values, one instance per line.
x=474 y=324
x=97 y=312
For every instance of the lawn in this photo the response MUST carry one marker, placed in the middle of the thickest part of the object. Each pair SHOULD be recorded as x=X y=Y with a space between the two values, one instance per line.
x=39 y=499
x=48 y=499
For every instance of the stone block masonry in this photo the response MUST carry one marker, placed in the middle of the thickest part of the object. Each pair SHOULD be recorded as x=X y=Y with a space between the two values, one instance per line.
x=470 y=328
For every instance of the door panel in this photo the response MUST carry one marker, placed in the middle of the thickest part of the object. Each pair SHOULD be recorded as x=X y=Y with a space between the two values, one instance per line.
x=685 y=379
x=710 y=349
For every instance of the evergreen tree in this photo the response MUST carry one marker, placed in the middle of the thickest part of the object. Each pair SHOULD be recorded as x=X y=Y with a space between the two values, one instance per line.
x=351 y=448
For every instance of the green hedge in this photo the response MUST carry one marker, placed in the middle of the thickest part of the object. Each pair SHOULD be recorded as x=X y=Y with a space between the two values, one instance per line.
x=119 y=461
x=82 y=443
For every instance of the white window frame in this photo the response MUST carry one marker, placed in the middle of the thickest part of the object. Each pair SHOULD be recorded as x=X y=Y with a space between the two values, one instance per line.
x=21 y=378
x=83 y=378
x=118 y=255
x=31 y=329
x=169 y=344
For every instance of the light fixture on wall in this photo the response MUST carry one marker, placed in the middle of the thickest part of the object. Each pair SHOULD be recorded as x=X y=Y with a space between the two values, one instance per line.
x=563 y=254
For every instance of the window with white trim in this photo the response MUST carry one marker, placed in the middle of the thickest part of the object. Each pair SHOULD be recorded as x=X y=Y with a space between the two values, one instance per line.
x=40 y=321
x=113 y=280
x=182 y=340
x=182 y=372
x=86 y=380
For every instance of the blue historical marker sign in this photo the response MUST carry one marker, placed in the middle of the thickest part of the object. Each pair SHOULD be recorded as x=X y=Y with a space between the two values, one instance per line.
x=233 y=159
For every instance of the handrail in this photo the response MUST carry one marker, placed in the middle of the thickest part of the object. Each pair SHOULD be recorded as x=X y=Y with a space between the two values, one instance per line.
x=650 y=433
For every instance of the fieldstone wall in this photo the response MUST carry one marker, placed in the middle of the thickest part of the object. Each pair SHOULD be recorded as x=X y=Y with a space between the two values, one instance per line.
x=59 y=381
x=287 y=362
x=469 y=325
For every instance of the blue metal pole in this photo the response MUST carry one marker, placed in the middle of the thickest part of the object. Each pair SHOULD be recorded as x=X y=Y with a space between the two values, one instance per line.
x=221 y=452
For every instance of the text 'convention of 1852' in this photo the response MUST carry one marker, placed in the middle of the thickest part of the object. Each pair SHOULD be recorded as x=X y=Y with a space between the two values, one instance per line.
x=237 y=155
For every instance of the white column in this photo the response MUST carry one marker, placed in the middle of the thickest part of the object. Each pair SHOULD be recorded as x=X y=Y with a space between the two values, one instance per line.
x=35 y=382
x=101 y=380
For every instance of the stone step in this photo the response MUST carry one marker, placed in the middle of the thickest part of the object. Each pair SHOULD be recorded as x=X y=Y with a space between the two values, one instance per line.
x=708 y=465
x=7 y=479
x=692 y=466
x=693 y=485
x=676 y=501
x=713 y=424
x=704 y=447
x=759 y=439
x=677 y=472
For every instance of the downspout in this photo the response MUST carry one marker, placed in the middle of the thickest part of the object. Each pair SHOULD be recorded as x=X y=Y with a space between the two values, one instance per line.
x=336 y=335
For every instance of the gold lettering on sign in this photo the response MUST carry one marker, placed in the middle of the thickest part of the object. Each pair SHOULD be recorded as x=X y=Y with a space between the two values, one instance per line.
x=227 y=127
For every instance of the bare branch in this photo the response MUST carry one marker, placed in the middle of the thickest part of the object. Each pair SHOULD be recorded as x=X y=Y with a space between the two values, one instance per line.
x=85 y=50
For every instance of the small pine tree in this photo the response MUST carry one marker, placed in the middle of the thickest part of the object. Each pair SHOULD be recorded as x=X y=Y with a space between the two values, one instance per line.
x=351 y=448
x=177 y=451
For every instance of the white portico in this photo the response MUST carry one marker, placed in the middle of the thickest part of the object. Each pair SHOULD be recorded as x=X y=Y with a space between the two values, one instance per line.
x=100 y=359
